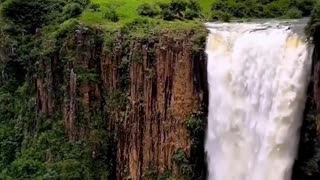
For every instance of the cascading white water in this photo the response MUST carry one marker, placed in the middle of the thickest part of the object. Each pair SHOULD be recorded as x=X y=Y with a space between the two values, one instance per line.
x=257 y=77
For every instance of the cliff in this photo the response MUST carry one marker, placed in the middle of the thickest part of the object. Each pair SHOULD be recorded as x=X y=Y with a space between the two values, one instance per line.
x=143 y=91
x=307 y=165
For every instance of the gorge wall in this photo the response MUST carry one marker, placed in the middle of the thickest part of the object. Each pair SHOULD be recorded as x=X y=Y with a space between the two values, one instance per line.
x=144 y=92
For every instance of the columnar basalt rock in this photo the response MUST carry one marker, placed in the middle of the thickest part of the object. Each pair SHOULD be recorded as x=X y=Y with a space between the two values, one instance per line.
x=144 y=90
x=162 y=94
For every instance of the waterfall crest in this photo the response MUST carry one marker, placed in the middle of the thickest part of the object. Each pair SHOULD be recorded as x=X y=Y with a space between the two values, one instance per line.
x=257 y=75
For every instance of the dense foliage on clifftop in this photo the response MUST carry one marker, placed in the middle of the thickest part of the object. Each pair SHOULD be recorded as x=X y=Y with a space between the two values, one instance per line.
x=103 y=12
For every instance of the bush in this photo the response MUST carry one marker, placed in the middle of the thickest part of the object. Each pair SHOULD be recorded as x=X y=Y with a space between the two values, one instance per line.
x=222 y=6
x=194 y=6
x=241 y=10
x=25 y=169
x=111 y=15
x=30 y=15
x=181 y=158
x=221 y=16
x=313 y=28
x=193 y=10
x=196 y=126
x=257 y=11
x=72 y=10
x=264 y=2
x=147 y=10
x=83 y=3
x=172 y=11
x=167 y=15
x=306 y=6
x=190 y=14
x=180 y=9
x=224 y=10
x=273 y=10
x=260 y=8
x=94 y=7
x=294 y=13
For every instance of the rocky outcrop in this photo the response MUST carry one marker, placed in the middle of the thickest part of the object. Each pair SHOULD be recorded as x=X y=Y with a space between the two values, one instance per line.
x=144 y=91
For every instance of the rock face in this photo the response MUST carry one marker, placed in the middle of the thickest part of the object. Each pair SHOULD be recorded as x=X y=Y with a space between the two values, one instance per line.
x=164 y=92
x=144 y=91
x=307 y=166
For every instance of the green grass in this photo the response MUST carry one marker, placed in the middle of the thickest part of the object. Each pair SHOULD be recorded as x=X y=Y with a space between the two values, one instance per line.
x=126 y=9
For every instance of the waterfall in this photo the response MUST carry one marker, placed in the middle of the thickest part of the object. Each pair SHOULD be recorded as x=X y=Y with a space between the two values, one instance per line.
x=257 y=75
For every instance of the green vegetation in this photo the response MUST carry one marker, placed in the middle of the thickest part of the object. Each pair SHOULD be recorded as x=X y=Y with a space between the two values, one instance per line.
x=200 y=10
x=313 y=28
x=181 y=159
x=196 y=125
x=37 y=146
x=261 y=8
x=147 y=10
x=33 y=145
x=294 y=13
x=129 y=10
x=153 y=174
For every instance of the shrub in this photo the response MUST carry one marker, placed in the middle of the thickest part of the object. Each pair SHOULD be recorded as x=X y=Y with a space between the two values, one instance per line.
x=73 y=169
x=72 y=10
x=30 y=15
x=164 y=5
x=260 y=8
x=190 y=14
x=313 y=28
x=224 y=10
x=152 y=173
x=167 y=15
x=178 y=7
x=241 y=10
x=173 y=10
x=83 y=3
x=95 y=7
x=273 y=10
x=196 y=127
x=257 y=11
x=294 y=13
x=25 y=169
x=306 y=6
x=194 y=5
x=214 y=16
x=180 y=157
x=147 y=10
x=193 y=10
x=221 y=16
x=264 y=2
x=111 y=15
x=222 y=6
